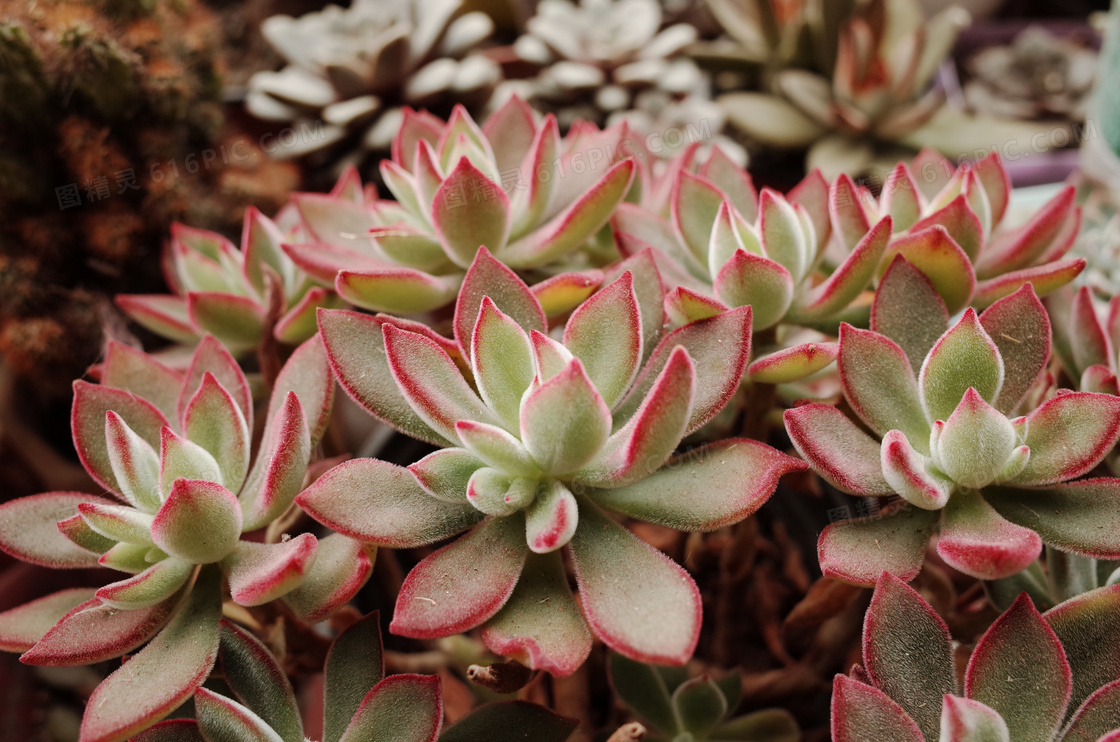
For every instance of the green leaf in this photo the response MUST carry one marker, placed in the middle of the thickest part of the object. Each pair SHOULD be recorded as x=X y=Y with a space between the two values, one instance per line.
x=444 y=474
x=605 y=333
x=511 y=721
x=564 y=421
x=502 y=361
x=152 y=586
x=700 y=705
x=258 y=681
x=21 y=627
x=643 y=689
x=469 y=211
x=975 y=443
x=199 y=522
x=909 y=311
x=182 y=459
x=964 y=357
x=965 y=720
x=1080 y=517
x=401 y=708
x=355 y=664
x=341 y=567
x=135 y=464
x=1088 y=627
x=213 y=421
x=859 y=551
x=223 y=720
x=861 y=713
x=769 y=725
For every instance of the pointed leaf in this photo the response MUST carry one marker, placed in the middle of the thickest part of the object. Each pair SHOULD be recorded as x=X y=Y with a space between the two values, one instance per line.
x=978 y=541
x=564 y=421
x=849 y=220
x=763 y=284
x=28 y=531
x=911 y=475
x=199 y=522
x=488 y=277
x=23 y=626
x=1097 y=716
x=87 y=423
x=695 y=206
x=975 y=444
x=1080 y=517
x=880 y=386
x=1043 y=278
x=1023 y=246
x=605 y=333
x=117 y=522
x=211 y=357
x=841 y=453
x=502 y=361
x=355 y=664
x=794 y=363
x=909 y=311
x=683 y=305
x=1068 y=436
x=213 y=421
x=944 y=263
x=281 y=465
x=223 y=720
x=341 y=567
x=164 y=315
x=861 y=713
x=135 y=464
x=70 y=641
x=564 y=292
x=254 y=676
x=497 y=448
x=259 y=573
x=470 y=210
x=643 y=689
x=1020 y=328
x=396 y=290
x=966 y=720
x=137 y=372
x=154 y=585
x=401 y=708
x=444 y=474
x=849 y=280
x=965 y=357
x=1090 y=343
x=307 y=372
x=858 y=552
x=1088 y=627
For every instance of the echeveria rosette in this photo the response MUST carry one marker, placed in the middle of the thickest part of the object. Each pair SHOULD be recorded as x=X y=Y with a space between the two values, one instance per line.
x=560 y=430
x=951 y=225
x=725 y=246
x=1049 y=677
x=236 y=295
x=996 y=487
x=181 y=493
x=534 y=199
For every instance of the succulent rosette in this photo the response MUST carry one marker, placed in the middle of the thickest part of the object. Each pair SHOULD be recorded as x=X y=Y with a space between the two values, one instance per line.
x=938 y=404
x=182 y=495
x=724 y=245
x=532 y=198
x=540 y=437
x=238 y=296
x=1040 y=677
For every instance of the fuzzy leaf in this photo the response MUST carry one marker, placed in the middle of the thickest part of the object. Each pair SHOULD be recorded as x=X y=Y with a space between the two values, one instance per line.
x=223 y=720
x=135 y=464
x=87 y=423
x=259 y=573
x=605 y=333
x=541 y=626
x=945 y=264
x=1080 y=516
x=966 y=720
x=975 y=443
x=280 y=468
x=960 y=221
x=162 y=314
x=21 y=627
x=152 y=586
x=355 y=664
x=880 y=386
x=117 y=522
x=172 y=730
x=965 y=357
x=1023 y=246
x=683 y=305
x=901 y=197
x=307 y=372
x=978 y=541
x=68 y=642
x=213 y=420
x=637 y=600
x=765 y=285
x=502 y=360
x=841 y=453
x=28 y=531
x=444 y=474
x=910 y=474
x=1043 y=278
x=464 y=583
x=211 y=357
x=1088 y=627
x=395 y=290
x=793 y=364
x=164 y=674
x=551 y=519
x=513 y=721
x=137 y=372
x=488 y=277
x=643 y=689
x=909 y=311
x=199 y=522
x=180 y=458
x=564 y=421
x=484 y=219
x=379 y=502
x=858 y=552
x=401 y=708
x=497 y=448
x=846 y=282
x=1068 y=436
x=861 y=713
x=341 y=567
x=236 y=321
x=1020 y=328
x=695 y=205
x=1097 y=716
x=846 y=213
x=564 y=292
x=258 y=681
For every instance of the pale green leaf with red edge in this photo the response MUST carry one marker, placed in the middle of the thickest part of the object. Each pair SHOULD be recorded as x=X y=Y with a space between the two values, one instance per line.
x=213 y=420
x=908 y=652
x=223 y=720
x=975 y=444
x=968 y=720
x=1100 y=380
x=444 y=474
x=567 y=231
x=401 y=708
x=1089 y=342
x=541 y=625
x=1088 y=627
x=564 y=292
x=322 y=261
x=260 y=244
x=379 y=502
x=909 y=311
x=550 y=357
x=494 y=720
x=637 y=229
x=880 y=385
x=901 y=198
x=489 y=277
x=1044 y=278
x=846 y=212
x=683 y=305
x=1082 y=517
x=199 y=522
x=164 y=315
x=463 y=584
x=793 y=363
x=848 y=281
x=335 y=221
x=180 y=458
x=605 y=333
x=482 y=219
x=135 y=464
x=258 y=681
x=356 y=352
x=980 y=542
x=841 y=453
x=28 y=531
x=564 y=421
x=812 y=193
x=861 y=713
x=117 y=522
x=782 y=234
x=135 y=371
x=552 y=517
x=911 y=474
x=1019 y=670
x=502 y=361
x=78 y=531
x=154 y=585
x=87 y=424
x=123 y=557
x=1068 y=436
x=341 y=567
x=307 y=372
x=1097 y=716
x=510 y=130
x=396 y=290
x=416 y=126
x=719 y=347
x=299 y=323
x=964 y=357
x=236 y=321
x=763 y=284
x=259 y=573
x=172 y=730
x=281 y=465
x=164 y=674
x=354 y=665
x=21 y=627
x=94 y=631
x=635 y=599
x=543 y=152
x=497 y=448
x=858 y=552
x=695 y=205
x=1022 y=247
x=961 y=222
x=944 y=263
x=996 y=183
x=1020 y=328
x=647 y=440
x=739 y=475
x=210 y=356
x=737 y=187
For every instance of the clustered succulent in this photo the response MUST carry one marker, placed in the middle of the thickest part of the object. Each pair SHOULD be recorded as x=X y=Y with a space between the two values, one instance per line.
x=591 y=366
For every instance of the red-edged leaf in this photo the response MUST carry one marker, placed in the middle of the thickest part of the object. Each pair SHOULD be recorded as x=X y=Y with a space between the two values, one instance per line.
x=782 y=233
x=23 y=626
x=564 y=421
x=812 y=193
x=978 y=541
x=1020 y=328
x=156 y=584
x=307 y=372
x=1081 y=516
x=564 y=292
x=841 y=453
x=510 y=130
x=260 y=244
x=945 y=264
x=961 y=222
x=259 y=573
x=637 y=229
x=95 y=631
x=996 y=182
x=1089 y=343
x=396 y=290
x=606 y=334
x=382 y=503
x=543 y=152
x=541 y=625
x=1044 y=279
x=793 y=363
x=741 y=474
x=469 y=211
x=966 y=720
x=763 y=284
x=322 y=261
x=299 y=322
x=861 y=713
x=849 y=220
x=1021 y=247
x=497 y=448
x=213 y=420
x=908 y=652
x=401 y=708
x=683 y=305
x=258 y=681
x=911 y=475
x=211 y=357
x=164 y=315
x=28 y=531
x=488 y=277
x=117 y=522
x=463 y=584
x=444 y=474
x=416 y=126
x=860 y=551
x=901 y=198
x=341 y=567
x=220 y=718
x=909 y=311
x=281 y=465
x=135 y=464
x=880 y=385
x=1020 y=671
x=551 y=519
x=1068 y=436
x=695 y=205
x=1099 y=715
x=237 y=321
x=335 y=221
x=87 y=424
x=975 y=446
x=637 y=600
x=502 y=361
x=1088 y=627
x=355 y=663
x=134 y=371
x=162 y=675
x=199 y=522
x=849 y=280
x=172 y=730
x=964 y=358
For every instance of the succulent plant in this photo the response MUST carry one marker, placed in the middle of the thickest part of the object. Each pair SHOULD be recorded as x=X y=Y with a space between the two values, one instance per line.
x=236 y=296
x=557 y=434
x=1031 y=676
x=938 y=403
x=534 y=199
x=172 y=452
x=678 y=708
x=353 y=69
